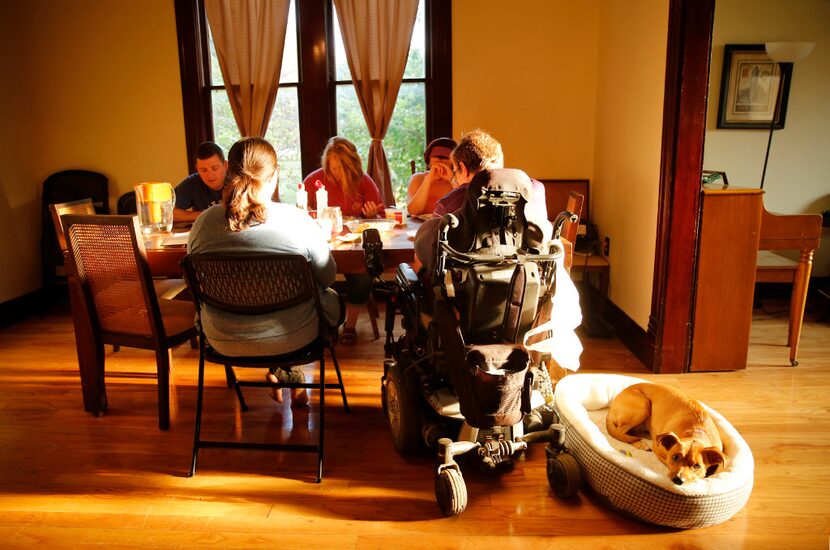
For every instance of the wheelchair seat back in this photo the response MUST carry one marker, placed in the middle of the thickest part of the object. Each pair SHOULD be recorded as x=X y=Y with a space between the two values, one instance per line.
x=497 y=301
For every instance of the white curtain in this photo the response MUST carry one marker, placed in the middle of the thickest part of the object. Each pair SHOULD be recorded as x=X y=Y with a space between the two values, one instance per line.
x=249 y=36
x=376 y=34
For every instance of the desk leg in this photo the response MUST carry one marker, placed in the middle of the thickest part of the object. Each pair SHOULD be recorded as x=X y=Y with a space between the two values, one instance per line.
x=90 y=351
x=604 y=283
x=798 y=302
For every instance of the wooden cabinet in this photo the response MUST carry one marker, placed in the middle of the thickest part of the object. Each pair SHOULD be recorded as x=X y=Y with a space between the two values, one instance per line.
x=730 y=226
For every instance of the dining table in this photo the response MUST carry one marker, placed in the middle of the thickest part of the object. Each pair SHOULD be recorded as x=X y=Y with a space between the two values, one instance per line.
x=166 y=250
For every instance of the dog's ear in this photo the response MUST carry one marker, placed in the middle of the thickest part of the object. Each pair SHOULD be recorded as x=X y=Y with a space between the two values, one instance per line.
x=666 y=440
x=713 y=459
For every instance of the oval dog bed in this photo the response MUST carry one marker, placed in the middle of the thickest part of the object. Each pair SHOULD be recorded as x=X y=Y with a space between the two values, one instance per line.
x=635 y=482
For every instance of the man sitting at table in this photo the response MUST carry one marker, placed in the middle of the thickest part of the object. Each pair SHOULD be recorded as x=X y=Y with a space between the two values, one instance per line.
x=476 y=151
x=202 y=189
x=425 y=188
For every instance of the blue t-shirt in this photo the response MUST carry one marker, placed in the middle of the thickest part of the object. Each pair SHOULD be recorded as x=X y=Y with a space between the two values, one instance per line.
x=193 y=193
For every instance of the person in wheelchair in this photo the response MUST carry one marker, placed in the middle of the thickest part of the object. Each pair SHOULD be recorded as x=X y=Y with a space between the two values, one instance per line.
x=498 y=265
x=477 y=151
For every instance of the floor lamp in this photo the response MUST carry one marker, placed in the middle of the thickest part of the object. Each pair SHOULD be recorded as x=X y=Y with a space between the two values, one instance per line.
x=783 y=52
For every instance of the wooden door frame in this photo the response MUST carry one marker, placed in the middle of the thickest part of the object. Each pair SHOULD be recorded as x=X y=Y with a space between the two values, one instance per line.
x=684 y=127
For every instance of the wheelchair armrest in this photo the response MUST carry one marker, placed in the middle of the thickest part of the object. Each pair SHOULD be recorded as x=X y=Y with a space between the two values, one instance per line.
x=407 y=278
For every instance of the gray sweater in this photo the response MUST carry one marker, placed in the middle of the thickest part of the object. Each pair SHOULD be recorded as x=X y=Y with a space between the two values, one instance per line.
x=285 y=231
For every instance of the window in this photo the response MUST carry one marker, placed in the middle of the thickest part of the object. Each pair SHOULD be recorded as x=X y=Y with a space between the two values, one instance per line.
x=284 y=128
x=406 y=136
x=316 y=98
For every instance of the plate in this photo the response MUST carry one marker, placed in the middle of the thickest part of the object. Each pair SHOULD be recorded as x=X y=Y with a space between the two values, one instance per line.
x=348 y=238
x=382 y=225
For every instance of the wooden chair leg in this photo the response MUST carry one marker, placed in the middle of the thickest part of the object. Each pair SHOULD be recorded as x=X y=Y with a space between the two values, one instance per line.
x=798 y=303
x=163 y=368
x=372 y=308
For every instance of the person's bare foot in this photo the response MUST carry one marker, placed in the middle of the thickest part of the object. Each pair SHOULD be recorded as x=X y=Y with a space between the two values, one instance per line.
x=274 y=392
x=299 y=396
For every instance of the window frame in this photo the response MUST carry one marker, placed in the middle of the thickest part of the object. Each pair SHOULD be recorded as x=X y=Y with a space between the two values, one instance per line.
x=316 y=86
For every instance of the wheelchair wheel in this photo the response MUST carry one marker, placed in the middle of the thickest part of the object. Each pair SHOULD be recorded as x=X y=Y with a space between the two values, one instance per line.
x=564 y=476
x=450 y=491
x=402 y=410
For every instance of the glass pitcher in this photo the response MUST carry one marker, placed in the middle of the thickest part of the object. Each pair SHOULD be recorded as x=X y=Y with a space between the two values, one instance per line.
x=154 y=202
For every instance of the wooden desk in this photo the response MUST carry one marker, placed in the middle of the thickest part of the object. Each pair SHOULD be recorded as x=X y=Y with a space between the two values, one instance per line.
x=734 y=227
x=594 y=263
x=730 y=224
x=397 y=248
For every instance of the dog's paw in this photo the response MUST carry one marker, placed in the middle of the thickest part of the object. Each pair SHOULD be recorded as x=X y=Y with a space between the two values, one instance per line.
x=642 y=445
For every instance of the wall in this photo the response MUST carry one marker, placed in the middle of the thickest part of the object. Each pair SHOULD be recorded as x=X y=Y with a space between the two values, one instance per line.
x=629 y=118
x=528 y=76
x=95 y=85
x=798 y=174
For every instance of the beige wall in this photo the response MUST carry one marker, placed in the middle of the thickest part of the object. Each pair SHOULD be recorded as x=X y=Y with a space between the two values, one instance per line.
x=798 y=174
x=566 y=86
x=526 y=72
x=631 y=68
x=95 y=85
x=572 y=92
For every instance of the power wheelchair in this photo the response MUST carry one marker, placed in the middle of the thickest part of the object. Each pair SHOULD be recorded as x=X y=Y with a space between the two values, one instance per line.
x=460 y=379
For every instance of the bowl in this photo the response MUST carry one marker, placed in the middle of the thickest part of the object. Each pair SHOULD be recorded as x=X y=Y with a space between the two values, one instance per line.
x=382 y=225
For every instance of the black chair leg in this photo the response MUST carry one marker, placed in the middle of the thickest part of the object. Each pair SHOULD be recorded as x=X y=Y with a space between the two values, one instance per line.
x=237 y=389
x=322 y=418
x=339 y=380
x=229 y=375
x=163 y=368
x=198 y=429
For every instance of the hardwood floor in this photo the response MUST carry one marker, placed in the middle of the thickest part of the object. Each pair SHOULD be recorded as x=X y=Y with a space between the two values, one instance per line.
x=68 y=479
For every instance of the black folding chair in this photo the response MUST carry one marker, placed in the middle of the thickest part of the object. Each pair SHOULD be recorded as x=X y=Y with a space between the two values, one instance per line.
x=256 y=284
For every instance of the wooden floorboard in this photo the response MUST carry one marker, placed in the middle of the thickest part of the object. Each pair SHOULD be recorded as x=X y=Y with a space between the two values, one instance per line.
x=70 y=480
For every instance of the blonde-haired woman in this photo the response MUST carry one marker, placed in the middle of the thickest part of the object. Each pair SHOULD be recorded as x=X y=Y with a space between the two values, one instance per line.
x=248 y=222
x=350 y=188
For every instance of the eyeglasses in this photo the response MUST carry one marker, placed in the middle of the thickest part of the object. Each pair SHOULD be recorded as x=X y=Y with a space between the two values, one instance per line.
x=453 y=178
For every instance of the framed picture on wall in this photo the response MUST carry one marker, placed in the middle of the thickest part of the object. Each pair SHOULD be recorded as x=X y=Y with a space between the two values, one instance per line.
x=754 y=88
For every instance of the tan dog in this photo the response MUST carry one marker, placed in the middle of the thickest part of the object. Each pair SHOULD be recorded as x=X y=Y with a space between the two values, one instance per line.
x=685 y=438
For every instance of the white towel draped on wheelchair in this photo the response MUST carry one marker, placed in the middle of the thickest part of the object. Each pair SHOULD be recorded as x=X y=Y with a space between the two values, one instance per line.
x=564 y=315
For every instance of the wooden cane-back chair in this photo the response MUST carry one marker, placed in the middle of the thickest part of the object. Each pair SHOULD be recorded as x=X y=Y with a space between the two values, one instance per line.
x=110 y=263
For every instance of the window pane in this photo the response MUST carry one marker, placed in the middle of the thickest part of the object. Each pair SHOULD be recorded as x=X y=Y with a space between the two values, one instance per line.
x=405 y=138
x=225 y=131
x=341 y=66
x=414 y=63
x=288 y=71
x=283 y=133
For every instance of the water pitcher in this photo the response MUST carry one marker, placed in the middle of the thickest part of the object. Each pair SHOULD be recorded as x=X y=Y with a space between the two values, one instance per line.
x=155 y=202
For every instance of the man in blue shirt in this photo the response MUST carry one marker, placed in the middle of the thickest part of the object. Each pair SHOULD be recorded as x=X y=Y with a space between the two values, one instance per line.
x=202 y=189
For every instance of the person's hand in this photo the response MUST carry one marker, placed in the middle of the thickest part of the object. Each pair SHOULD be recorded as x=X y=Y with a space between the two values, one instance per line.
x=370 y=209
x=438 y=171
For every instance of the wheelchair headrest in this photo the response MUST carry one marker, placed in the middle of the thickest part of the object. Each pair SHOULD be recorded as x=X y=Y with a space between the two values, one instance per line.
x=496 y=217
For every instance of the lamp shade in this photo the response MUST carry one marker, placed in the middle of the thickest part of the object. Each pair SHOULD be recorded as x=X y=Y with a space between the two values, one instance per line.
x=788 y=52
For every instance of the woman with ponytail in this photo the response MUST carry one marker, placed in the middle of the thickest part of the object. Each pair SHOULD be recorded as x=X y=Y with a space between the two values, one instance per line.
x=248 y=222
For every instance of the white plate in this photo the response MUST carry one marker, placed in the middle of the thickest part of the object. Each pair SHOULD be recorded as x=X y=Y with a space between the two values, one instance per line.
x=348 y=238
